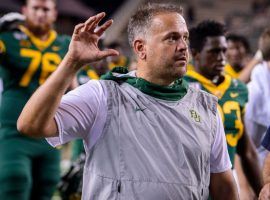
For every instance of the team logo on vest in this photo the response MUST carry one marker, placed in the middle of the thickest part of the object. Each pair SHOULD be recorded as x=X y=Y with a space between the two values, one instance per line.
x=195 y=115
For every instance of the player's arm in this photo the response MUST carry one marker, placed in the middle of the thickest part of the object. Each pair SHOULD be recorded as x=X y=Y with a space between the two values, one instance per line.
x=245 y=74
x=265 y=192
x=222 y=183
x=223 y=186
x=250 y=162
x=37 y=117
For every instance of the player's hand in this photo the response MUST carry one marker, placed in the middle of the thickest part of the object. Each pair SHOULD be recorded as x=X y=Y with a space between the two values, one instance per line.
x=265 y=192
x=83 y=48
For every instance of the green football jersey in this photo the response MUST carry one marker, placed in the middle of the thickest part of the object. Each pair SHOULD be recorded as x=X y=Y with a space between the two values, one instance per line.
x=26 y=62
x=232 y=96
x=86 y=74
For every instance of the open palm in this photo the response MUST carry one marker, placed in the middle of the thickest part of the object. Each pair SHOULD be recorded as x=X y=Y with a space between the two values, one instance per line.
x=83 y=48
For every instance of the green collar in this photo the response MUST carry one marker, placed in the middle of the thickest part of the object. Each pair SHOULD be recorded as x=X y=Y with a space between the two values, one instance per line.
x=173 y=92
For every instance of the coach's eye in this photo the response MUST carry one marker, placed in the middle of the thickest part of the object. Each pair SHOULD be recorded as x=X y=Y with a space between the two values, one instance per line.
x=172 y=39
x=185 y=38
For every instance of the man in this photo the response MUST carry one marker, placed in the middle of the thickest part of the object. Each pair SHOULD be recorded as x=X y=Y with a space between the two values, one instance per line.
x=237 y=54
x=8 y=22
x=146 y=134
x=29 y=168
x=208 y=46
x=120 y=60
x=239 y=64
x=257 y=114
x=258 y=107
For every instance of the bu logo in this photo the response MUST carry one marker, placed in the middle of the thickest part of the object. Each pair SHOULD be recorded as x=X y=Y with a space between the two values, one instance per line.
x=195 y=115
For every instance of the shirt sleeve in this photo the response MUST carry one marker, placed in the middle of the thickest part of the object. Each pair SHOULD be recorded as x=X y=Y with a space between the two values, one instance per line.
x=219 y=158
x=81 y=114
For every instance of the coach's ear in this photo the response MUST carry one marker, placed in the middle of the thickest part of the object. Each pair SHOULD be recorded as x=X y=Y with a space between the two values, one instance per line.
x=139 y=48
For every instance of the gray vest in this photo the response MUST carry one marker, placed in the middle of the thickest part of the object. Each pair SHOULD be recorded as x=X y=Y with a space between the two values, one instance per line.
x=152 y=149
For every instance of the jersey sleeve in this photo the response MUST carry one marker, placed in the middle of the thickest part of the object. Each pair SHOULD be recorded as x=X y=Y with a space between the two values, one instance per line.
x=81 y=114
x=243 y=99
x=219 y=157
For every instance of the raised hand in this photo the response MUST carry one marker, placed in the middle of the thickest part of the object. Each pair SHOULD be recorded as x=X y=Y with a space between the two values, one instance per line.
x=83 y=48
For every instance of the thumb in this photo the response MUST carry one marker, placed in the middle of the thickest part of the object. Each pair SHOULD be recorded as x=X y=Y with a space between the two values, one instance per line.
x=108 y=52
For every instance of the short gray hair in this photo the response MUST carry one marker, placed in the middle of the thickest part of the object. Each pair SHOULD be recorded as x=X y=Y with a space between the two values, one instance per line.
x=141 y=20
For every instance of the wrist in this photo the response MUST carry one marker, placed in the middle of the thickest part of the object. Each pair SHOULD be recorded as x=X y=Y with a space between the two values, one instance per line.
x=71 y=63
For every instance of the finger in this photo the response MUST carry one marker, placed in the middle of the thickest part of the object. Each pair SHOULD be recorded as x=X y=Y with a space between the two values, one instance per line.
x=97 y=21
x=107 y=52
x=88 y=23
x=78 y=28
x=92 y=22
x=104 y=27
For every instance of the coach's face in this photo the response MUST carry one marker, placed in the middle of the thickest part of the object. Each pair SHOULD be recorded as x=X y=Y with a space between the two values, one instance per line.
x=166 y=46
x=211 y=59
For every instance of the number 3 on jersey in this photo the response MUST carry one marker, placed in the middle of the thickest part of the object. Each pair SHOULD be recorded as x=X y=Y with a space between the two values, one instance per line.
x=48 y=61
x=227 y=108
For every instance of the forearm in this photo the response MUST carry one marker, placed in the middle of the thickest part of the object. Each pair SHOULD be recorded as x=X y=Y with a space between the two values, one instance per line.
x=246 y=72
x=265 y=192
x=251 y=169
x=266 y=169
x=223 y=186
x=225 y=192
x=37 y=117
